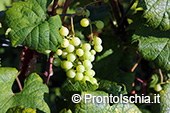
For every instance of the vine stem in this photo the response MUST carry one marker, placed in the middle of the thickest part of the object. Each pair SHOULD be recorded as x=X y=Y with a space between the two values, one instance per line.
x=124 y=16
x=161 y=75
x=18 y=81
x=49 y=70
x=65 y=9
x=54 y=8
x=136 y=64
x=72 y=26
x=115 y=10
x=64 y=14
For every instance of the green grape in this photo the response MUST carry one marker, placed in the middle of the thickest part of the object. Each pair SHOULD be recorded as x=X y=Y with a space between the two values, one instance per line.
x=98 y=48
x=79 y=63
x=93 y=80
x=71 y=57
x=64 y=31
x=79 y=52
x=47 y=51
x=80 y=68
x=97 y=41
x=86 y=55
x=93 y=73
x=85 y=78
x=89 y=73
x=99 y=24
x=87 y=64
x=67 y=65
x=158 y=88
x=91 y=58
x=65 y=43
x=84 y=22
x=70 y=48
x=76 y=41
x=64 y=54
x=71 y=73
x=79 y=76
x=86 y=47
x=59 y=52
x=57 y=62
x=93 y=52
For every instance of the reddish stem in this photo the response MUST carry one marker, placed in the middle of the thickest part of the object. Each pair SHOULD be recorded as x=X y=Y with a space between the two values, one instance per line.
x=65 y=9
x=49 y=70
x=115 y=10
x=26 y=56
x=54 y=8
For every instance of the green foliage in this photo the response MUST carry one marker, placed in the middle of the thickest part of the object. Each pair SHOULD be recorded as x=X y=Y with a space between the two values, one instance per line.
x=31 y=26
x=103 y=107
x=164 y=99
x=153 y=45
x=33 y=91
x=79 y=86
x=21 y=109
x=154 y=80
x=157 y=13
x=134 y=59
x=112 y=88
x=4 y=3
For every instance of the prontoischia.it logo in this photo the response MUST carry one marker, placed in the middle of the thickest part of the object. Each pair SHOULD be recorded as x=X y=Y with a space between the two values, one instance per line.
x=76 y=98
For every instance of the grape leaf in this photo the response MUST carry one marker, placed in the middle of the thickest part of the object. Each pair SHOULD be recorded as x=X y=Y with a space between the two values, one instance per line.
x=21 y=109
x=31 y=26
x=32 y=95
x=154 y=46
x=165 y=99
x=4 y=3
x=112 y=87
x=103 y=107
x=79 y=86
x=157 y=13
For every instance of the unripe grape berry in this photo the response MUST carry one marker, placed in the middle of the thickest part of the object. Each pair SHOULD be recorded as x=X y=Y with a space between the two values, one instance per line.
x=88 y=72
x=47 y=51
x=71 y=73
x=84 y=22
x=86 y=47
x=64 y=31
x=98 y=48
x=158 y=88
x=91 y=58
x=79 y=76
x=99 y=24
x=75 y=41
x=97 y=41
x=67 y=65
x=86 y=55
x=70 y=48
x=87 y=64
x=59 y=52
x=65 y=43
x=57 y=62
x=85 y=78
x=79 y=52
x=80 y=68
x=71 y=57
x=93 y=52
x=93 y=80
x=64 y=54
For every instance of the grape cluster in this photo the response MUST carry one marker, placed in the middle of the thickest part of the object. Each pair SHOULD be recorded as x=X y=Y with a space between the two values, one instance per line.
x=77 y=57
